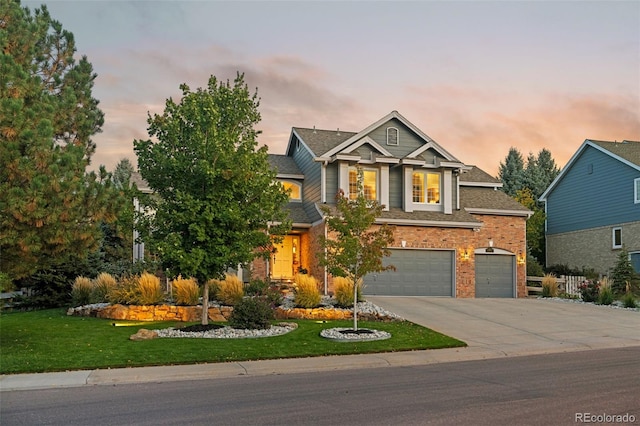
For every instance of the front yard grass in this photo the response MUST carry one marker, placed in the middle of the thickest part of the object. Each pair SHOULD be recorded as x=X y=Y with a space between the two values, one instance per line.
x=49 y=340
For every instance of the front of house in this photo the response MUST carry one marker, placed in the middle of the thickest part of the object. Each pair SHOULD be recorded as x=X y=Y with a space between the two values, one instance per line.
x=456 y=234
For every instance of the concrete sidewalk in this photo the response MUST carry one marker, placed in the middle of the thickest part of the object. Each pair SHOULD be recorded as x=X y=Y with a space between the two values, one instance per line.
x=492 y=328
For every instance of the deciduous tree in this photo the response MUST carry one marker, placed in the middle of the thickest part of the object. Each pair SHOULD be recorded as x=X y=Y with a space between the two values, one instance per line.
x=217 y=194
x=355 y=247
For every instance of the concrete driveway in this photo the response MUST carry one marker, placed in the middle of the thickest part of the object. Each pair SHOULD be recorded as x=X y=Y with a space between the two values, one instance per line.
x=520 y=326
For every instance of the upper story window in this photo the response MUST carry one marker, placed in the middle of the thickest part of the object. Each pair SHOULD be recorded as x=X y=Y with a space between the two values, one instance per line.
x=393 y=136
x=616 y=238
x=295 y=189
x=426 y=187
x=636 y=190
x=369 y=184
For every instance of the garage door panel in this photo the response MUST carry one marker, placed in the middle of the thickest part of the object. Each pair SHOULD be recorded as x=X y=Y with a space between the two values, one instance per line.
x=494 y=275
x=418 y=273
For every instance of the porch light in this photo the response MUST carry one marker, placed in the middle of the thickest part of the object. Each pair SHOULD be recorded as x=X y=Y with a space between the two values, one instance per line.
x=490 y=249
x=520 y=258
x=464 y=255
x=403 y=243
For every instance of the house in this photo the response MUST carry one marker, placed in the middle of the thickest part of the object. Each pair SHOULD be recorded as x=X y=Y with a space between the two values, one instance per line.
x=456 y=234
x=593 y=207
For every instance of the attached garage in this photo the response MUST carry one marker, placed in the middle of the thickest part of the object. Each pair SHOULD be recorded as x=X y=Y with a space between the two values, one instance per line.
x=418 y=273
x=495 y=275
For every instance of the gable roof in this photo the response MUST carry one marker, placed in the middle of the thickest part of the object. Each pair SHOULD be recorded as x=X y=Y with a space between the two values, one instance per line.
x=627 y=152
x=327 y=143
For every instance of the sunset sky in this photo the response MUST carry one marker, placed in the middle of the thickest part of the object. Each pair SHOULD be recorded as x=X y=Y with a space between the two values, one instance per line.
x=478 y=77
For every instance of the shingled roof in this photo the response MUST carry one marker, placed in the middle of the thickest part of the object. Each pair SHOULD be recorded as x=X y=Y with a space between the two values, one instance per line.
x=284 y=164
x=321 y=141
x=628 y=150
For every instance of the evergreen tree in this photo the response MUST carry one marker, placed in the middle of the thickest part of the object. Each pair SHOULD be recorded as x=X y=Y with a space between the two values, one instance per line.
x=50 y=207
x=511 y=172
x=539 y=172
x=623 y=274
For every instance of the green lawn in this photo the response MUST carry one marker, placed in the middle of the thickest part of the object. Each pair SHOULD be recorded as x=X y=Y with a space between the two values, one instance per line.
x=49 y=340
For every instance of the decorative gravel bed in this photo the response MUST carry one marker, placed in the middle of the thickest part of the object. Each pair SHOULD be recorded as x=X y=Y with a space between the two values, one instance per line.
x=227 y=332
x=349 y=335
x=615 y=305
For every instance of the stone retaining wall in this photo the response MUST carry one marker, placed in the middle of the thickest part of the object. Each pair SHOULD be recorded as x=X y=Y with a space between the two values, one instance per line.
x=216 y=314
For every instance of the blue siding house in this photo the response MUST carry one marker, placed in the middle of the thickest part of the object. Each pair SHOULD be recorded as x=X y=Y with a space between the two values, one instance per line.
x=593 y=207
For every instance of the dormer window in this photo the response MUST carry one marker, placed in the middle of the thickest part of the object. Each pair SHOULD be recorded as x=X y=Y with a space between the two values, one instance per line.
x=393 y=136
x=294 y=188
x=426 y=187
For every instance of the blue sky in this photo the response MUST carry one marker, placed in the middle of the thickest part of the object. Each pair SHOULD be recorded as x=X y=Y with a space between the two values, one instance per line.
x=476 y=76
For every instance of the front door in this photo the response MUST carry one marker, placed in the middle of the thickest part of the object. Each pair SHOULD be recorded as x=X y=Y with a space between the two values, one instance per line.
x=286 y=260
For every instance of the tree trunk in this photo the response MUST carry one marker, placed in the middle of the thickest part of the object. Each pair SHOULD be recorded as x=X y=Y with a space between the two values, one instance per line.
x=205 y=304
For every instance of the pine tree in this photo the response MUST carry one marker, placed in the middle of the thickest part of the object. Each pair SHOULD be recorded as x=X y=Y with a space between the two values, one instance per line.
x=511 y=172
x=50 y=207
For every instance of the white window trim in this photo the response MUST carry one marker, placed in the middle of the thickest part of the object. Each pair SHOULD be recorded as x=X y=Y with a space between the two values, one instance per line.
x=426 y=173
x=636 y=191
x=613 y=238
x=397 y=136
x=364 y=169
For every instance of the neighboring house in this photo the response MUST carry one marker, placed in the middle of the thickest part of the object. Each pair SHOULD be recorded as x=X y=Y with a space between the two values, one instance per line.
x=593 y=207
x=456 y=233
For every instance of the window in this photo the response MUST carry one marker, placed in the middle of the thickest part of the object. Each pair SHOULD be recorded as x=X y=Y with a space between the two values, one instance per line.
x=617 y=238
x=369 y=184
x=636 y=188
x=393 y=136
x=295 y=188
x=426 y=187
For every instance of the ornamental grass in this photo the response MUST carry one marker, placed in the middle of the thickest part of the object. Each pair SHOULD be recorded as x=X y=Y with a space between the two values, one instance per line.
x=549 y=286
x=307 y=294
x=230 y=290
x=343 y=291
x=103 y=284
x=149 y=289
x=186 y=291
x=81 y=291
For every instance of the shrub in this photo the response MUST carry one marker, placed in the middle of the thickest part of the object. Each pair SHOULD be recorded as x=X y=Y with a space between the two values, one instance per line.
x=628 y=301
x=343 y=291
x=125 y=292
x=103 y=284
x=81 y=291
x=6 y=284
x=534 y=269
x=549 y=286
x=266 y=291
x=605 y=294
x=307 y=294
x=251 y=313
x=589 y=291
x=186 y=291
x=149 y=289
x=230 y=290
x=622 y=273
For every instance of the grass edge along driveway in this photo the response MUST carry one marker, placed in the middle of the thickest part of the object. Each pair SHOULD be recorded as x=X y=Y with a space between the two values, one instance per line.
x=49 y=340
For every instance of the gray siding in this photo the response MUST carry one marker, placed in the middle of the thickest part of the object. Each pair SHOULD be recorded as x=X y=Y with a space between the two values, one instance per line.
x=395 y=187
x=311 y=171
x=332 y=182
x=409 y=141
x=596 y=191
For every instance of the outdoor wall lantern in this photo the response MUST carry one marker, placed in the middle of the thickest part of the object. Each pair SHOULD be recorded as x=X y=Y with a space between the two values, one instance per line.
x=490 y=249
x=403 y=243
x=521 y=258
x=464 y=255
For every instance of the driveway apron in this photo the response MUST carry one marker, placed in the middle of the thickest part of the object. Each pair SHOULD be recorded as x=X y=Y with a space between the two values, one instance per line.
x=520 y=326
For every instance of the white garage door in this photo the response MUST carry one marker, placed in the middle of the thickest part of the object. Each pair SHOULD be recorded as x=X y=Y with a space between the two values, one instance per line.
x=494 y=275
x=418 y=273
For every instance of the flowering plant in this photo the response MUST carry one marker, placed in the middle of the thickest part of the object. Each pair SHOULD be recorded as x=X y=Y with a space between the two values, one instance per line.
x=589 y=290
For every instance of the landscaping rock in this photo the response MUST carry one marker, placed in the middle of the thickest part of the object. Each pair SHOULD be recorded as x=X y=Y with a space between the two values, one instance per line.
x=144 y=334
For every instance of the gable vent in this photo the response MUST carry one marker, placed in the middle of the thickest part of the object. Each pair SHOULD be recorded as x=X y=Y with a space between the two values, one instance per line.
x=393 y=136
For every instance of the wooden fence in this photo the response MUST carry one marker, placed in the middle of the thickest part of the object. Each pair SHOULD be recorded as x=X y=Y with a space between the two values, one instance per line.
x=566 y=283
